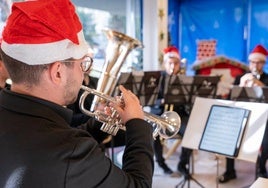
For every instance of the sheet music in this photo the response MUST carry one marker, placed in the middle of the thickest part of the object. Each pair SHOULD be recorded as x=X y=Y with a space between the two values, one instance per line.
x=224 y=130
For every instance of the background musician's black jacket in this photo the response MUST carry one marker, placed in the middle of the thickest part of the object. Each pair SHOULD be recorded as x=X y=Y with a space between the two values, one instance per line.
x=40 y=149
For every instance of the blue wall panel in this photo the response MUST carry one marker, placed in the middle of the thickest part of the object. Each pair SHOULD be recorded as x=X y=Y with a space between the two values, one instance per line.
x=236 y=25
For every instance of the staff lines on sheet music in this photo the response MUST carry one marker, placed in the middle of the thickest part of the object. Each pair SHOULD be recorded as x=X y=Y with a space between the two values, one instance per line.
x=223 y=129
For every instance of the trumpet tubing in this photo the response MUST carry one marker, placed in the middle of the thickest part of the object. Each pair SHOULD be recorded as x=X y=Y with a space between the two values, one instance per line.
x=166 y=126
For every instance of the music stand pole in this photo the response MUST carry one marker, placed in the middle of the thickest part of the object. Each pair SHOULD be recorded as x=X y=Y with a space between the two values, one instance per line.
x=218 y=169
x=188 y=178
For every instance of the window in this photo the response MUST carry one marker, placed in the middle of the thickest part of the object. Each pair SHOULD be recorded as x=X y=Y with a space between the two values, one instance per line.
x=120 y=15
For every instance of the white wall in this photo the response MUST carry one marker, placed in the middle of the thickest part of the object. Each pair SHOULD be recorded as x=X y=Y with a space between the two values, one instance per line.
x=150 y=58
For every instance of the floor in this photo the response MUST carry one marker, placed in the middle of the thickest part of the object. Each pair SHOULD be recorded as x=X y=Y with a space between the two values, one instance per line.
x=206 y=168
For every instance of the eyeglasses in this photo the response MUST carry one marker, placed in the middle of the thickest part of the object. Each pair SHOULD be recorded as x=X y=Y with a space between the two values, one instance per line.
x=85 y=64
x=257 y=62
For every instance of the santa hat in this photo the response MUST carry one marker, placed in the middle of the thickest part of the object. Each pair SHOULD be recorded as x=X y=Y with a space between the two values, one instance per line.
x=259 y=53
x=171 y=52
x=44 y=31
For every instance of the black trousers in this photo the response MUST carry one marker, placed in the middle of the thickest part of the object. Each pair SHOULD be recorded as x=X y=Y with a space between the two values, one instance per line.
x=158 y=151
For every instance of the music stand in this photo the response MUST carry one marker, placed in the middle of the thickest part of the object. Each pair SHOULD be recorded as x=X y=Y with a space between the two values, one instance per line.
x=250 y=94
x=188 y=178
x=125 y=79
x=182 y=90
x=204 y=86
x=224 y=131
x=254 y=130
x=146 y=86
x=177 y=89
x=265 y=94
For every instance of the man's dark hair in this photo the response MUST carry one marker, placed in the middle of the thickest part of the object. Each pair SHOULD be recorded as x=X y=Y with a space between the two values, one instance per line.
x=20 y=72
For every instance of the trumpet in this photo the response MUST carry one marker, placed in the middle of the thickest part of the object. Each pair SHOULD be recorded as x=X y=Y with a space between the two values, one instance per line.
x=166 y=126
x=256 y=73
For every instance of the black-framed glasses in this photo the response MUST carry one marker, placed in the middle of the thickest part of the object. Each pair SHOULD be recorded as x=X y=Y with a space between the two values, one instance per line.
x=85 y=63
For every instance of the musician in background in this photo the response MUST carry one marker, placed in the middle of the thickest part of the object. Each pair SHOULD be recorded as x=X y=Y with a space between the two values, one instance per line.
x=172 y=65
x=45 y=53
x=255 y=77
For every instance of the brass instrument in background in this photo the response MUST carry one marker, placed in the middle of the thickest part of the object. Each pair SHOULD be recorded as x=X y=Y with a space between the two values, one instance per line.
x=183 y=66
x=166 y=126
x=119 y=46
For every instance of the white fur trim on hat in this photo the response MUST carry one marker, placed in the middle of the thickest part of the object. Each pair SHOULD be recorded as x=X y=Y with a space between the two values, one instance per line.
x=46 y=53
x=171 y=55
x=257 y=56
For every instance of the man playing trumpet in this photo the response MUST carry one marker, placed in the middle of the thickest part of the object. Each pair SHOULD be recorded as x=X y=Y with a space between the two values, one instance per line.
x=256 y=76
x=46 y=55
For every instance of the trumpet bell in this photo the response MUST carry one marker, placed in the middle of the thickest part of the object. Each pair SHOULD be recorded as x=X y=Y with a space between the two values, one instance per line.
x=166 y=126
x=173 y=126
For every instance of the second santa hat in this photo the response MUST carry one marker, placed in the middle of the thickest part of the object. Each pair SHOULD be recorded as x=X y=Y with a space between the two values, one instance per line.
x=171 y=52
x=259 y=53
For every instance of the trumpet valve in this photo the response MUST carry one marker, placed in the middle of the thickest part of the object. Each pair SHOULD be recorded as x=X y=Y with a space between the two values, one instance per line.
x=110 y=129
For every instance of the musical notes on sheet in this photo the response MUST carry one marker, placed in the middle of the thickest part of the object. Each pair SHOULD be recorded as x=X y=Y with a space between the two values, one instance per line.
x=224 y=129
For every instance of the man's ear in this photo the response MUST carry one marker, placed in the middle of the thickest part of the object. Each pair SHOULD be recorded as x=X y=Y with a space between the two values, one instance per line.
x=56 y=72
x=1 y=65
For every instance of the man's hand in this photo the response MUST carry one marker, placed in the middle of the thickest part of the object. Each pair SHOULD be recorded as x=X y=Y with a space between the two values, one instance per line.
x=131 y=108
x=249 y=80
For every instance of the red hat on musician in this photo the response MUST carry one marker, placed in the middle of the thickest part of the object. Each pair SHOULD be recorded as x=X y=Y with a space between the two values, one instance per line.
x=171 y=52
x=259 y=53
x=42 y=32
